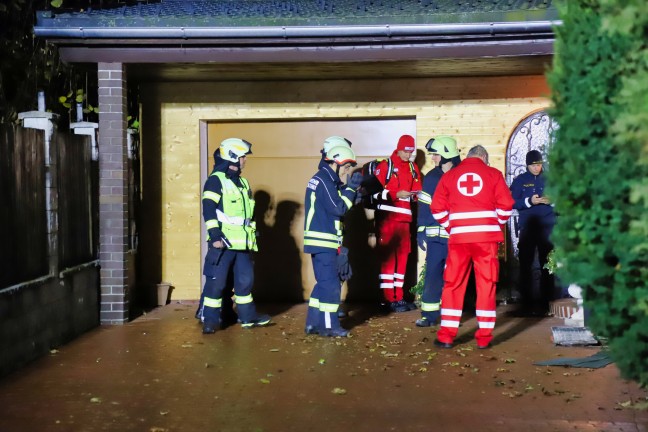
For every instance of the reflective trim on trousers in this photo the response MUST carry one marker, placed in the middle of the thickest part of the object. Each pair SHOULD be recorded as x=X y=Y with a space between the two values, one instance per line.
x=451 y=312
x=449 y=323
x=243 y=299
x=212 y=302
x=328 y=307
x=430 y=307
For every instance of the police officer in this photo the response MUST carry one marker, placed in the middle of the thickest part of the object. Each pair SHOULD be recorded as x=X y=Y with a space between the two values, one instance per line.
x=227 y=209
x=431 y=236
x=536 y=221
x=327 y=200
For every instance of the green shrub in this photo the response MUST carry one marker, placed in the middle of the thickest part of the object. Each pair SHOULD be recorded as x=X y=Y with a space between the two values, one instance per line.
x=599 y=169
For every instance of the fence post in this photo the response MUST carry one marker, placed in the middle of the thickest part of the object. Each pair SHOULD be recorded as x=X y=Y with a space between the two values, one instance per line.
x=90 y=129
x=45 y=121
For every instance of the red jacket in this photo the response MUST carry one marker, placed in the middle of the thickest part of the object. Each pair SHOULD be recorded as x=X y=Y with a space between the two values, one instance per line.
x=471 y=202
x=405 y=176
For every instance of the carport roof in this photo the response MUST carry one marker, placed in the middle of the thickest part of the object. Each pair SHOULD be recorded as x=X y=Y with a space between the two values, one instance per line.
x=237 y=13
x=433 y=37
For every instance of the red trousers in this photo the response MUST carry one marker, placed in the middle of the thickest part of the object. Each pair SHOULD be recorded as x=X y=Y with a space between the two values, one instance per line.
x=393 y=249
x=461 y=258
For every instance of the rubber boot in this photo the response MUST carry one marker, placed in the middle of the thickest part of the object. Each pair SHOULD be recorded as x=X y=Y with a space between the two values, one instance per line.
x=249 y=317
x=329 y=325
x=212 y=324
x=312 y=321
x=428 y=319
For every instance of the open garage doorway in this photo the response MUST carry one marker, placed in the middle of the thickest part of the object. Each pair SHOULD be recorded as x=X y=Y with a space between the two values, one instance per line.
x=286 y=154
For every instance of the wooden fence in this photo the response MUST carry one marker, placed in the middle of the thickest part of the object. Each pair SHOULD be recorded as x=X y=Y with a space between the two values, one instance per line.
x=23 y=218
x=24 y=241
x=75 y=191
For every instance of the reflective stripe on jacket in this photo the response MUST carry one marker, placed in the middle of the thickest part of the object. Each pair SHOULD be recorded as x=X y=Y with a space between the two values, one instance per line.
x=229 y=212
x=472 y=202
x=404 y=176
x=326 y=201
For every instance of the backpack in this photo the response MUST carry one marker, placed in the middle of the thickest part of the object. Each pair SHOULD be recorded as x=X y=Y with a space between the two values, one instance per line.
x=372 y=186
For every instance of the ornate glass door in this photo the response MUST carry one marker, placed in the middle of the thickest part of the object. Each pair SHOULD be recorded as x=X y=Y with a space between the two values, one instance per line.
x=535 y=132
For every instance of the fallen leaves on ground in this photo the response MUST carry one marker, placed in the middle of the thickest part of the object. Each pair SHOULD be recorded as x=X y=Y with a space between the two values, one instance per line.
x=339 y=391
x=641 y=405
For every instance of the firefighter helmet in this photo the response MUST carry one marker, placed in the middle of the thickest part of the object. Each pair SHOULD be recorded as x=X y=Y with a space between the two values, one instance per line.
x=341 y=155
x=232 y=149
x=335 y=141
x=443 y=145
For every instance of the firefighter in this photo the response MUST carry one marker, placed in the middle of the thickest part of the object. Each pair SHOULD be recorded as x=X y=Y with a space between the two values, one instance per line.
x=329 y=143
x=471 y=202
x=327 y=200
x=227 y=209
x=536 y=221
x=430 y=236
x=401 y=180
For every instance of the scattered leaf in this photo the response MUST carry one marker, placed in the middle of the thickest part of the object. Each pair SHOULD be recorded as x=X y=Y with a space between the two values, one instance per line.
x=509 y=360
x=274 y=350
x=95 y=400
x=264 y=381
x=321 y=361
x=164 y=413
x=339 y=391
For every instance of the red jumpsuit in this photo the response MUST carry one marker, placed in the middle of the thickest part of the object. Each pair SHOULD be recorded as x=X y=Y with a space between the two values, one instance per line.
x=472 y=202
x=393 y=219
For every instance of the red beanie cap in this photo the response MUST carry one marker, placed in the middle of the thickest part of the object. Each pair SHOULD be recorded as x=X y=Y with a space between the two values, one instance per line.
x=406 y=143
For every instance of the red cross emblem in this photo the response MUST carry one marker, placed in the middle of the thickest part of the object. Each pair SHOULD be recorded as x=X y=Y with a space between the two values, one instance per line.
x=470 y=184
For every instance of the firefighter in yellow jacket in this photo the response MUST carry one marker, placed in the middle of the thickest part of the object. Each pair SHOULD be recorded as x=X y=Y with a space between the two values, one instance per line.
x=227 y=209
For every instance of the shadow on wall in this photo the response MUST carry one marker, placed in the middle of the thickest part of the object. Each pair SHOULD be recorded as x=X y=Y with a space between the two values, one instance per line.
x=278 y=266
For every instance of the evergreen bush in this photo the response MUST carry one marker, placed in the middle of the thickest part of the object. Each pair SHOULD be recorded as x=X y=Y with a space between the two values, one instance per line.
x=599 y=169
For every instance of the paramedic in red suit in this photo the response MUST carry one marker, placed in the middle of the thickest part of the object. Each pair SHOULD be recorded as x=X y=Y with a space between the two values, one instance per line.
x=401 y=180
x=471 y=202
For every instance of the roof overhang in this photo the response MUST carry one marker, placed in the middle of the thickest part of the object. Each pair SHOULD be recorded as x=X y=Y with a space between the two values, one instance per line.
x=434 y=49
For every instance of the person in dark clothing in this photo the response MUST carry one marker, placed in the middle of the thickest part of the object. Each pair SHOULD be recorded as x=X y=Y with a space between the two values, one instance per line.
x=536 y=221
x=228 y=207
x=430 y=236
x=330 y=193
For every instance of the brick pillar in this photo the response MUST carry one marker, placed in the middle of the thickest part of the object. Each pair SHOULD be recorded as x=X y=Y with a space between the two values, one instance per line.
x=113 y=193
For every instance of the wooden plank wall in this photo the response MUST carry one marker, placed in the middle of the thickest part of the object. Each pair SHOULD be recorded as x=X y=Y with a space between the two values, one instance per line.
x=75 y=187
x=474 y=110
x=23 y=224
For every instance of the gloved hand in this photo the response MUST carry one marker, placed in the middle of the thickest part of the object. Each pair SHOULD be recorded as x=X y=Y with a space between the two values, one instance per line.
x=343 y=266
x=354 y=180
x=420 y=239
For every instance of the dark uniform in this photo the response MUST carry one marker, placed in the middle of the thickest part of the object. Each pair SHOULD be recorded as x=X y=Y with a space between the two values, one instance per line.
x=326 y=202
x=227 y=210
x=535 y=223
x=436 y=246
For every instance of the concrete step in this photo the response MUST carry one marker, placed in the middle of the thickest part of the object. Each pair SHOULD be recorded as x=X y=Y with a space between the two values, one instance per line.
x=563 y=308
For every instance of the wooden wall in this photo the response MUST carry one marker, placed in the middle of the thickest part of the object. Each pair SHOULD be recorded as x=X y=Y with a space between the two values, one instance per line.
x=474 y=110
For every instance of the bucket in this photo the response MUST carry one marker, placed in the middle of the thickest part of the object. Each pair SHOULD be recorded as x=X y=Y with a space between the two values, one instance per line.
x=163 y=293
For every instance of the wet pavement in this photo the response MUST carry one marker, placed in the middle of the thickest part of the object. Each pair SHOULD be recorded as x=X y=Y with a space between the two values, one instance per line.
x=159 y=373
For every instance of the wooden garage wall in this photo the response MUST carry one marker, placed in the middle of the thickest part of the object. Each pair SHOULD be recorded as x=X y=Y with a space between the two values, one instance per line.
x=474 y=110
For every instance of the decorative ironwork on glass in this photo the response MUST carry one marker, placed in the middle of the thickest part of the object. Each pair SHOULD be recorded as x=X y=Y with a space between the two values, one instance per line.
x=535 y=132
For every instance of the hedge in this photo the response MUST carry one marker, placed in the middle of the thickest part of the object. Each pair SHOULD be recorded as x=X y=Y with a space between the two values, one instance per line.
x=599 y=175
